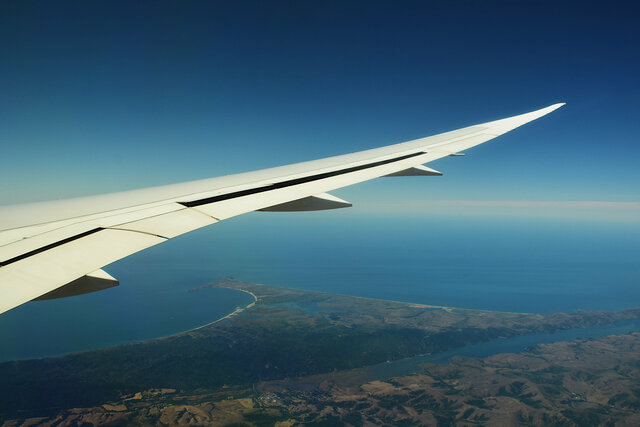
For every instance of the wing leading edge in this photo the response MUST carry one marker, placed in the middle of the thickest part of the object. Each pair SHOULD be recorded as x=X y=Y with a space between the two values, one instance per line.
x=45 y=246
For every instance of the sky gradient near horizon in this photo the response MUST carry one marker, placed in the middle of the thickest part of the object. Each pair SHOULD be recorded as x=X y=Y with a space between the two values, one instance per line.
x=99 y=97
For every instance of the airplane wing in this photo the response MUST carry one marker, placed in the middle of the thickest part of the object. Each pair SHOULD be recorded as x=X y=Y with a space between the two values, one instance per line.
x=57 y=249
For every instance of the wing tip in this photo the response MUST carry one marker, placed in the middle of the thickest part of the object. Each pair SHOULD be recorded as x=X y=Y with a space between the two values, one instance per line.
x=556 y=106
x=542 y=111
x=505 y=125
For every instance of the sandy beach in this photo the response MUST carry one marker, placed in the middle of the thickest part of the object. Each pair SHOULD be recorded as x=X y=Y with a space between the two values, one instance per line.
x=233 y=313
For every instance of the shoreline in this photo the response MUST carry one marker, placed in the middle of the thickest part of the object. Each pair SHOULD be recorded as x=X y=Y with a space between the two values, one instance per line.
x=238 y=310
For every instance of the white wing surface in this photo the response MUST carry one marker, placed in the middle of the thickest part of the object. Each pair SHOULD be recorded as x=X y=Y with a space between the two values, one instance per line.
x=55 y=249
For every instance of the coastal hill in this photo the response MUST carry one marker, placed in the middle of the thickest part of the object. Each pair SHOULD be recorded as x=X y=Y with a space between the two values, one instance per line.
x=580 y=383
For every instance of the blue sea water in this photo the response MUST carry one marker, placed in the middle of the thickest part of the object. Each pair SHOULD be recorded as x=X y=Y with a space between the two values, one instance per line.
x=517 y=265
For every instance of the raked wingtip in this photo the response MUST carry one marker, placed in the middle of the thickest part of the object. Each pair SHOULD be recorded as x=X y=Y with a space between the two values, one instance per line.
x=498 y=127
x=553 y=107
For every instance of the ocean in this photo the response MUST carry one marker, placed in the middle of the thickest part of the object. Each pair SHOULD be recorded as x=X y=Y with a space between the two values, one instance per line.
x=504 y=264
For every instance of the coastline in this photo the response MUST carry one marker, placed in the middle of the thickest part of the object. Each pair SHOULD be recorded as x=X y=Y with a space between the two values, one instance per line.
x=220 y=283
x=238 y=310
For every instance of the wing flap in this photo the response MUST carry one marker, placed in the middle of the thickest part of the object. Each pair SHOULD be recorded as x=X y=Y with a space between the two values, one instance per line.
x=232 y=204
x=171 y=224
x=21 y=248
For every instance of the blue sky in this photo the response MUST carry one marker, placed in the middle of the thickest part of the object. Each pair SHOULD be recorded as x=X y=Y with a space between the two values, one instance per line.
x=99 y=97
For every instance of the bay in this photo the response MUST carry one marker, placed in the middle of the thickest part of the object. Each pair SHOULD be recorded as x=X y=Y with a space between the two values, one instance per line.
x=515 y=344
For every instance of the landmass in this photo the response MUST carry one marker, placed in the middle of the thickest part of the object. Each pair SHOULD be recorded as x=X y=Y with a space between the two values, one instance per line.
x=299 y=357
